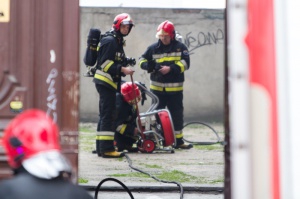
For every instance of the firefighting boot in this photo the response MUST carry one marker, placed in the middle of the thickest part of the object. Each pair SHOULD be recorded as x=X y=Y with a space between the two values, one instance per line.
x=184 y=146
x=112 y=154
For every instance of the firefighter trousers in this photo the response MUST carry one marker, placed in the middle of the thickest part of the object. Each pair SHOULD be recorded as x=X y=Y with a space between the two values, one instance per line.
x=107 y=115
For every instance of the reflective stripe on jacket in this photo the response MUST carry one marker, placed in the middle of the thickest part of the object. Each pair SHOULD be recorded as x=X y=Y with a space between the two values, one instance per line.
x=126 y=117
x=168 y=87
x=109 y=63
x=176 y=56
x=105 y=77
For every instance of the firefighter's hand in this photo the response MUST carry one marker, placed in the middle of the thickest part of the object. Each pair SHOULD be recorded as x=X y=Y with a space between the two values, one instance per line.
x=127 y=70
x=164 y=70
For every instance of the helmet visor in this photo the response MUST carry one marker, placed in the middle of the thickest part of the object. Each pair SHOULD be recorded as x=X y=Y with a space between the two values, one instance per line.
x=126 y=22
x=162 y=33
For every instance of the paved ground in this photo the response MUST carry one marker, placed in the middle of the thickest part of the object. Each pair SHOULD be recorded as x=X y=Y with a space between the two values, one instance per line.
x=193 y=195
x=199 y=170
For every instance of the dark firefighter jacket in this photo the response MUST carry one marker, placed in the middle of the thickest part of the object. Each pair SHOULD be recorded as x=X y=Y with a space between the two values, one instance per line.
x=176 y=56
x=109 y=62
x=126 y=117
x=25 y=185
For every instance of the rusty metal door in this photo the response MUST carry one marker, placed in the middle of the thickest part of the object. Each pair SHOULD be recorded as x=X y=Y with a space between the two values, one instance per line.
x=39 y=64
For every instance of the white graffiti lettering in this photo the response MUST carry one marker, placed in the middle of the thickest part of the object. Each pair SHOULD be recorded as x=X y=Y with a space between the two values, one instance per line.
x=52 y=98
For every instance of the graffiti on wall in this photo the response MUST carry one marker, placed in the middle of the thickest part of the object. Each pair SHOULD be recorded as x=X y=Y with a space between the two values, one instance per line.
x=52 y=98
x=201 y=39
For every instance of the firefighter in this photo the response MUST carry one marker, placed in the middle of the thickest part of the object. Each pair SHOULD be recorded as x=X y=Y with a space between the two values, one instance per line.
x=111 y=66
x=167 y=60
x=126 y=130
x=31 y=142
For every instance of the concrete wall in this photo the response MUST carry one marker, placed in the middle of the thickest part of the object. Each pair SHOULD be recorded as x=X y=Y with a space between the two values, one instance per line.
x=204 y=34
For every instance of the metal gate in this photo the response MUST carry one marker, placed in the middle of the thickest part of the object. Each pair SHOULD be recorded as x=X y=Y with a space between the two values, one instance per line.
x=39 y=64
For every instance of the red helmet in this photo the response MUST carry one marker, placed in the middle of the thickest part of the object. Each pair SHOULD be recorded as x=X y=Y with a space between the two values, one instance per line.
x=166 y=28
x=32 y=140
x=128 y=94
x=123 y=18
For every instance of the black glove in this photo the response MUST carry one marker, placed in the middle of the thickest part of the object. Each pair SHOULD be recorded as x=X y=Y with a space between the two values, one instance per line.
x=129 y=61
x=151 y=66
x=144 y=98
x=143 y=93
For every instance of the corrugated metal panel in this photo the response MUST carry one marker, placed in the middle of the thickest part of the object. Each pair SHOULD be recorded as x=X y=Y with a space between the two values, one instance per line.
x=39 y=48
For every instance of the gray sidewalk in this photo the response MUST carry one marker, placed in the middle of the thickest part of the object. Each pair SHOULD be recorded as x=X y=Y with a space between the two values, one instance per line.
x=159 y=191
x=166 y=195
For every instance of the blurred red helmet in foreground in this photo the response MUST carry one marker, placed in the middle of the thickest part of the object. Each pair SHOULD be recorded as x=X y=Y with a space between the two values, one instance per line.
x=31 y=139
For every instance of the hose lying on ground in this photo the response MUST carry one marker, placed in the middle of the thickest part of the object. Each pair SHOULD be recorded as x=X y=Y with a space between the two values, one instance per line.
x=218 y=141
x=115 y=180
x=155 y=178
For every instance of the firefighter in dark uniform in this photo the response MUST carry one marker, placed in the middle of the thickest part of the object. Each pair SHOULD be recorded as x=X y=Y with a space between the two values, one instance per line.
x=111 y=66
x=126 y=129
x=167 y=60
x=31 y=142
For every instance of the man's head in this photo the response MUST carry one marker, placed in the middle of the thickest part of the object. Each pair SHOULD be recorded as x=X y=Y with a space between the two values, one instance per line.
x=31 y=140
x=123 y=24
x=165 y=32
x=131 y=93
